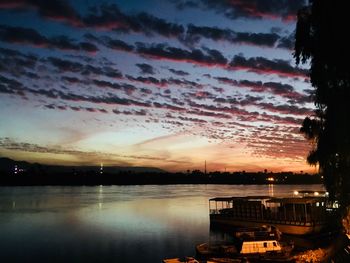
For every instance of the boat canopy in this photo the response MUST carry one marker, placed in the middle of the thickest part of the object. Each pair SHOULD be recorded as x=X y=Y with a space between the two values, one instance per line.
x=269 y=199
x=297 y=200
x=227 y=199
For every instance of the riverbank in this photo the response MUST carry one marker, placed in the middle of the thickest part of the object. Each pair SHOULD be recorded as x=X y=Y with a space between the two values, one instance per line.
x=130 y=178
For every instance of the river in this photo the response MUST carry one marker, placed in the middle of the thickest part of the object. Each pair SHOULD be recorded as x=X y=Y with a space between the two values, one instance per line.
x=112 y=223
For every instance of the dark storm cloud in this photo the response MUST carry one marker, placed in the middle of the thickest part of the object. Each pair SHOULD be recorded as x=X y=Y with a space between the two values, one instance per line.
x=54 y=9
x=148 y=80
x=276 y=88
x=14 y=84
x=17 y=64
x=11 y=86
x=104 y=84
x=285 y=109
x=75 y=108
x=256 y=9
x=108 y=99
x=88 y=47
x=167 y=106
x=10 y=144
x=15 y=87
x=5 y=89
x=151 y=23
x=71 y=80
x=199 y=95
x=208 y=114
x=107 y=16
x=249 y=100
x=110 y=17
x=261 y=65
x=195 y=33
x=103 y=16
x=209 y=57
x=102 y=71
x=178 y=72
x=195 y=120
x=141 y=112
x=284 y=90
x=146 y=69
x=117 y=44
x=287 y=42
x=21 y=35
x=64 y=65
x=184 y=83
x=244 y=115
x=165 y=82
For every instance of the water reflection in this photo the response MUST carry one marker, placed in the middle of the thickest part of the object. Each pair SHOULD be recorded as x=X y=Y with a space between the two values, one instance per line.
x=111 y=223
x=271 y=189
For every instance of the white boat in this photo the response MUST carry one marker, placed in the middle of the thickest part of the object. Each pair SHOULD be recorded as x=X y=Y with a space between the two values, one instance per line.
x=298 y=215
x=178 y=260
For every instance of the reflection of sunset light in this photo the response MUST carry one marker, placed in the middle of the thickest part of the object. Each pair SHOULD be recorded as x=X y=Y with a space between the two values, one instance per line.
x=271 y=190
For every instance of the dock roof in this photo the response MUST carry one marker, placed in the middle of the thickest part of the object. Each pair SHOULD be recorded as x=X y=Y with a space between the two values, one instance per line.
x=231 y=198
x=269 y=199
x=297 y=200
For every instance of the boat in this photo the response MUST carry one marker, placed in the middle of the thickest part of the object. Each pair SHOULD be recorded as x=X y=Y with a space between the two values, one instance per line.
x=302 y=214
x=178 y=260
x=259 y=232
x=267 y=249
x=224 y=260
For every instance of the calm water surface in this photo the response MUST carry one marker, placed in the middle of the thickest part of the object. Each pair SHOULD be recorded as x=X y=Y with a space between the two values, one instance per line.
x=112 y=223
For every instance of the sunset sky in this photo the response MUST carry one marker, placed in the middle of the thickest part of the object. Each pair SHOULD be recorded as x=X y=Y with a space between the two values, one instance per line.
x=163 y=83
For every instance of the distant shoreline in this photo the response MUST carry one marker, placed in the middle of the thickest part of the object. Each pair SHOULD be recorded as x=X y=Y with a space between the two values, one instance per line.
x=18 y=173
x=125 y=178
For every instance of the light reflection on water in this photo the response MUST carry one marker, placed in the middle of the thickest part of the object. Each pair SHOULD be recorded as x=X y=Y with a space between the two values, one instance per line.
x=112 y=223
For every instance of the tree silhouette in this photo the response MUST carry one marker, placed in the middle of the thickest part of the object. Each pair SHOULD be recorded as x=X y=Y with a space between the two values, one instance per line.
x=321 y=40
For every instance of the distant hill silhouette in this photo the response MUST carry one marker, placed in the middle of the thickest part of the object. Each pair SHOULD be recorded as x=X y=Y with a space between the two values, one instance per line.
x=7 y=165
x=39 y=174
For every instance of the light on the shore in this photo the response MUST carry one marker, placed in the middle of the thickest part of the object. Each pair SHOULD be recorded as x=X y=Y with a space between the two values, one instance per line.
x=271 y=179
x=296 y=192
x=316 y=193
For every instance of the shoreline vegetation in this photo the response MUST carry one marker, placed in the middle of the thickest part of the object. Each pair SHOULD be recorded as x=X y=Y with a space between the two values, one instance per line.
x=24 y=173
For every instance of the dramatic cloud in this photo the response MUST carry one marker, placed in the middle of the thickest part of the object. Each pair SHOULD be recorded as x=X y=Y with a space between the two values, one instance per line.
x=64 y=65
x=151 y=24
x=287 y=42
x=146 y=69
x=141 y=112
x=256 y=9
x=210 y=57
x=286 y=109
x=125 y=68
x=195 y=33
x=178 y=72
x=276 y=88
x=261 y=65
x=20 y=35
x=54 y=9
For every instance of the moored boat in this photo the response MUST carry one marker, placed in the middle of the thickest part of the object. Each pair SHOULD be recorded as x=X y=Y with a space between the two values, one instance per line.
x=299 y=215
x=178 y=260
x=251 y=249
